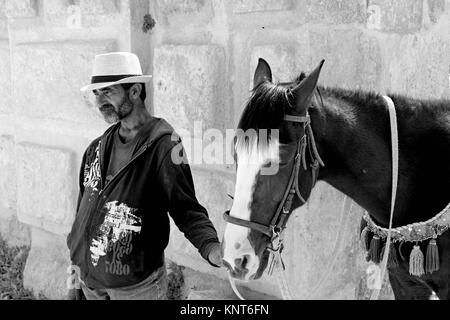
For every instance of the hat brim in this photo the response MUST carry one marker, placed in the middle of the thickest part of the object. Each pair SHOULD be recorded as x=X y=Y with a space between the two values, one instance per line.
x=100 y=85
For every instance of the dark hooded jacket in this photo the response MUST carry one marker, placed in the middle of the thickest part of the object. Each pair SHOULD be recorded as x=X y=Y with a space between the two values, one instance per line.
x=121 y=228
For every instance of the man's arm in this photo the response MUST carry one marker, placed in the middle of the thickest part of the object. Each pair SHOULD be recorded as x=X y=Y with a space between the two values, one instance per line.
x=189 y=215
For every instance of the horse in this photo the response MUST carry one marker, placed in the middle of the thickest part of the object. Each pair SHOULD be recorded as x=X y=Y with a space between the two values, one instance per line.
x=342 y=137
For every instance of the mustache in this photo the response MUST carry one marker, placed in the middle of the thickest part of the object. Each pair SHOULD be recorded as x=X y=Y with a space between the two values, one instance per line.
x=105 y=107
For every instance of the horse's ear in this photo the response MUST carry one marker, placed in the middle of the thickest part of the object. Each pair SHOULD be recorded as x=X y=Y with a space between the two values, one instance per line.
x=304 y=91
x=262 y=73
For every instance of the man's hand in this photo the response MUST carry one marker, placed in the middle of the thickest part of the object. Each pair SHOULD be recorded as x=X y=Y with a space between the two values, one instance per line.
x=215 y=255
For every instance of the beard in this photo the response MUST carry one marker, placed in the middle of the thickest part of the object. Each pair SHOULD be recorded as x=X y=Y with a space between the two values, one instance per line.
x=112 y=114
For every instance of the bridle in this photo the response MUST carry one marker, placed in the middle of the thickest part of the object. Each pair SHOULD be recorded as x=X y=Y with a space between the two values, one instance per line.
x=283 y=212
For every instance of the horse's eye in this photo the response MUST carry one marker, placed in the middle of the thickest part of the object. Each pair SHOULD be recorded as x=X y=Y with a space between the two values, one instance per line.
x=268 y=164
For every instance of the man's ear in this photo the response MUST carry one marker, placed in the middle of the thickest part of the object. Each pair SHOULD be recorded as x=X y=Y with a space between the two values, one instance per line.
x=304 y=91
x=135 y=91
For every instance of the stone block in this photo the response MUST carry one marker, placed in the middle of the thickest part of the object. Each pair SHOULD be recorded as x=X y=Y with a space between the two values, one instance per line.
x=4 y=33
x=212 y=189
x=322 y=246
x=182 y=17
x=8 y=186
x=13 y=232
x=180 y=6
x=435 y=9
x=333 y=12
x=189 y=85
x=5 y=79
x=419 y=66
x=352 y=58
x=90 y=7
x=246 y=6
x=2 y=9
x=21 y=8
x=399 y=16
x=99 y=7
x=46 y=267
x=48 y=185
x=84 y=13
x=52 y=74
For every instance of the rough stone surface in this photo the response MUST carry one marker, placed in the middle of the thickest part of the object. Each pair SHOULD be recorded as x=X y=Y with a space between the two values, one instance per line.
x=47 y=179
x=435 y=9
x=85 y=13
x=46 y=268
x=5 y=79
x=357 y=64
x=8 y=184
x=13 y=232
x=180 y=6
x=244 y=6
x=212 y=189
x=322 y=247
x=67 y=63
x=400 y=16
x=2 y=9
x=20 y=8
x=284 y=61
x=424 y=71
x=333 y=12
x=189 y=85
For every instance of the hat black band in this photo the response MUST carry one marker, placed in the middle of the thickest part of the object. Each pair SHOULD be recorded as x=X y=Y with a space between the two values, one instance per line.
x=100 y=79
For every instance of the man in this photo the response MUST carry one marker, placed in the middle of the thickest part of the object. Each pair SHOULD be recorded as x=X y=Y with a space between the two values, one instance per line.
x=129 y=181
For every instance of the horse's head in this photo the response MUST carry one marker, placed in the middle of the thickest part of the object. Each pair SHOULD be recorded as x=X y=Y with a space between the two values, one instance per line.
x=273 y=152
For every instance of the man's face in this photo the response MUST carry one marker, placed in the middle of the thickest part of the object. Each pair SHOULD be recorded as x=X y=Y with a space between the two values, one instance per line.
x=113 y=102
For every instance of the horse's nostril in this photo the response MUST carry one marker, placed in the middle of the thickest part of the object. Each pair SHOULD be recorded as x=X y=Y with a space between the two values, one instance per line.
x=241 y=263
x=227 y=265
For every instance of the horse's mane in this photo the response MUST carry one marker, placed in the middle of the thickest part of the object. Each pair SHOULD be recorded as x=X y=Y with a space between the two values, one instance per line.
x=266 y=107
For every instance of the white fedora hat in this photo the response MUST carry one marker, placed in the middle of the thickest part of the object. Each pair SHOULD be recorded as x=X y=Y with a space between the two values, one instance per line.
x=116 y=68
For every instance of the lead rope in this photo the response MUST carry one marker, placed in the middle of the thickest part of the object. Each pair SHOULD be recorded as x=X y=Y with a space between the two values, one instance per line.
x=394 y=142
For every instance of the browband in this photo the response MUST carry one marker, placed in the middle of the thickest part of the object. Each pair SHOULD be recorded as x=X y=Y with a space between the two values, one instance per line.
x=292 y=118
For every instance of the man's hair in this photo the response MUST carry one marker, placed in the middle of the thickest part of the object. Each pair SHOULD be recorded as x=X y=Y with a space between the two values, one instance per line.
x=143 y=94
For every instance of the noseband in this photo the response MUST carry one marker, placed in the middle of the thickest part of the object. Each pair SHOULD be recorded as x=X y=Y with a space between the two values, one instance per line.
x=279 y=220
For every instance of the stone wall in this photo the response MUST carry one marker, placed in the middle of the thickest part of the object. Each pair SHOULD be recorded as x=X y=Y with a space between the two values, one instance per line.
x=202 y=55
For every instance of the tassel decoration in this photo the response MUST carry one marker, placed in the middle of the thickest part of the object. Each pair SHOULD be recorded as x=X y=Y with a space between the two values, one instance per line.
x=365 y=238
x=416 y=262
x=432 y=258
x=392 y=258
x=375 y=249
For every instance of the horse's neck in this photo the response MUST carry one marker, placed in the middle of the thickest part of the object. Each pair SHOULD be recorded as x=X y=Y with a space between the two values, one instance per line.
x=355 y=142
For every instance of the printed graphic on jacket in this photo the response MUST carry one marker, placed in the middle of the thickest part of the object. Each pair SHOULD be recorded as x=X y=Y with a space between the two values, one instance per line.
x=115 y=235
x=92 y=173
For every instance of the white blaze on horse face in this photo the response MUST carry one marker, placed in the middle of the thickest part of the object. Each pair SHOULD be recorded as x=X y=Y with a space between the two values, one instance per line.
x=250 y=162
